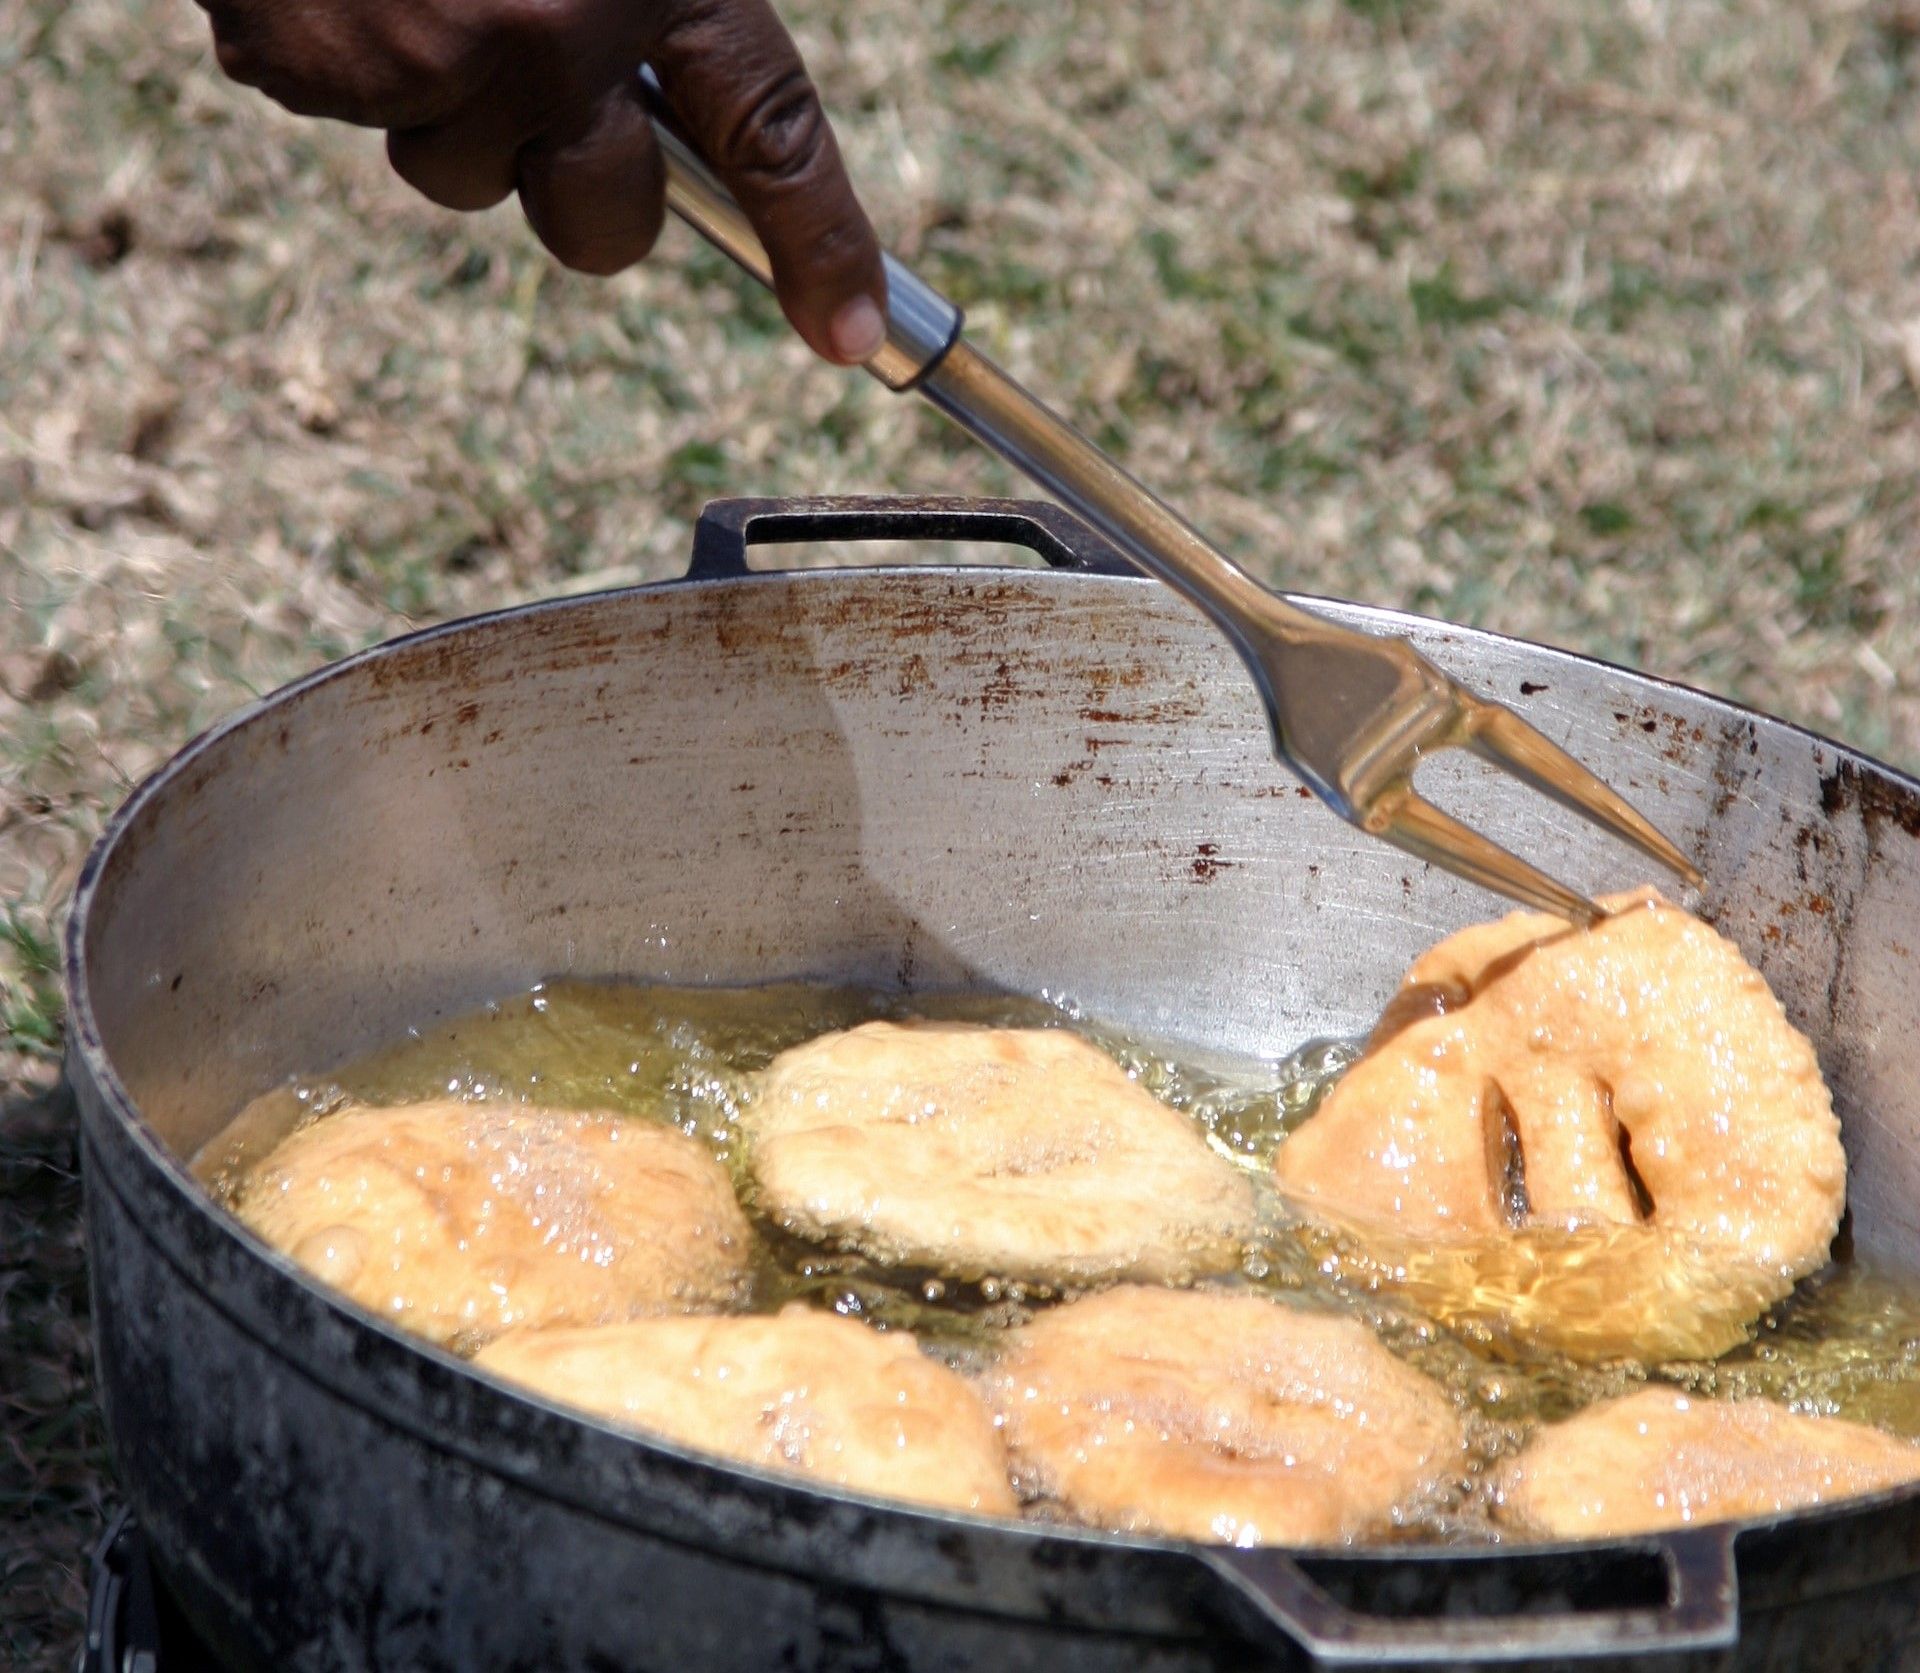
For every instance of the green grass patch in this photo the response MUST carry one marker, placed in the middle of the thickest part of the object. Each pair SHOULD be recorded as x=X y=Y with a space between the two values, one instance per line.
x=1439 y=300
x=32 y=1010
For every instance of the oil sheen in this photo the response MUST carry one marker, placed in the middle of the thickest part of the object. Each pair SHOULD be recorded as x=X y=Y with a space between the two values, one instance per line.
x=1846 y=1343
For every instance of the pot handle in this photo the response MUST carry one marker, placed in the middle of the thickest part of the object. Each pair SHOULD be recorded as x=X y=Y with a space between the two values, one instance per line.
x=1675 y=1597
x=728 y=527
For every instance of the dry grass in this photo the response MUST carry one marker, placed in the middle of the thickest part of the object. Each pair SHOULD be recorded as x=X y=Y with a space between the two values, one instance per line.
x=1596 y=324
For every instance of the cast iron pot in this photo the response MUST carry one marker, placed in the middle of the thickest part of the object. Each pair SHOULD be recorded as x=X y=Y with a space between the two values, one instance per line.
x=975 y=778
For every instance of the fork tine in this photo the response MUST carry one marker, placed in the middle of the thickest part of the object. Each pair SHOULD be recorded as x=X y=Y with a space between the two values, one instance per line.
x=1499 y=736
x=1408 y=821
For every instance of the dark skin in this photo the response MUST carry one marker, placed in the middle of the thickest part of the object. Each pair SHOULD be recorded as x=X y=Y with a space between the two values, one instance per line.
x=484 y=98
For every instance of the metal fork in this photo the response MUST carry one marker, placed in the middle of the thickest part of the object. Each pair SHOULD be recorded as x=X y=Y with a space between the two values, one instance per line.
x=1352 y=713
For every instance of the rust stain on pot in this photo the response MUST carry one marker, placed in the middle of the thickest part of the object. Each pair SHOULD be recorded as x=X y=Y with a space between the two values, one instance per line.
x=1878 y=802
x=1808 y=838
x=1207 y=865
x=1682 y=739
x=913 y=675
x=1101 y=682
x=1728 y=770
x=1170 y=712
x=1001 y=690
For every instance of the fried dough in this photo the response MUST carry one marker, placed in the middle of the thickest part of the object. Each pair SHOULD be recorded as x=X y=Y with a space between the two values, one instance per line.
x=1636 y=1075
x=1009 y=1152
x=1660 y=1458
x=804 y=1392
x=459 y=1220
x=1224 y=1418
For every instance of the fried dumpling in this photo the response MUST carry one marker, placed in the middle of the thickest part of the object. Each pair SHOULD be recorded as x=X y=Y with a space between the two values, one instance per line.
x=1011 y=1152
x=1637 y=1078
x=1660 y=1458
x=804 y=1392
x=459 y=1220
x=1224 y=1418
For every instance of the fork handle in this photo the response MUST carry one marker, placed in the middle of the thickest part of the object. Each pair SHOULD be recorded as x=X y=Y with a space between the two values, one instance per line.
x=926 y=352
x=922 y=325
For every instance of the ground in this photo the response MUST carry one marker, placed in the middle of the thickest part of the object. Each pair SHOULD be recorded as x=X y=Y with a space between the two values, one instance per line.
x=1598 y=325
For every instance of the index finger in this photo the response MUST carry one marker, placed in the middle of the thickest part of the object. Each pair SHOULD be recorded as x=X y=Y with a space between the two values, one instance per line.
x=734 y=79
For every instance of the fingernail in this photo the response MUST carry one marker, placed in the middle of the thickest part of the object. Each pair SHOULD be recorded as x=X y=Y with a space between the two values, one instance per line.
x=858 y=329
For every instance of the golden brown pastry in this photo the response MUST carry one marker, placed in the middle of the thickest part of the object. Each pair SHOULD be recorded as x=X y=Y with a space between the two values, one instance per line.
x=1224 y=1418
x=1637 y=1075
x=1012 y=1152
x=1661 y=1458
x=810 y=1393
x=460 y=1220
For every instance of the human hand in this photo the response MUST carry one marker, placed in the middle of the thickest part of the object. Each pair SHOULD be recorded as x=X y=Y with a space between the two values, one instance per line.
x=481 y=98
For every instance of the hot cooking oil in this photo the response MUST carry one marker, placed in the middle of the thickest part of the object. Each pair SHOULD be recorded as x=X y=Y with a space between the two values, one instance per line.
x=1845 y=1343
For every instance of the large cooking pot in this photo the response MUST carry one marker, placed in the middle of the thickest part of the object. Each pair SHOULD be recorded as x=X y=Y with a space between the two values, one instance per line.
x=1005 y=779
